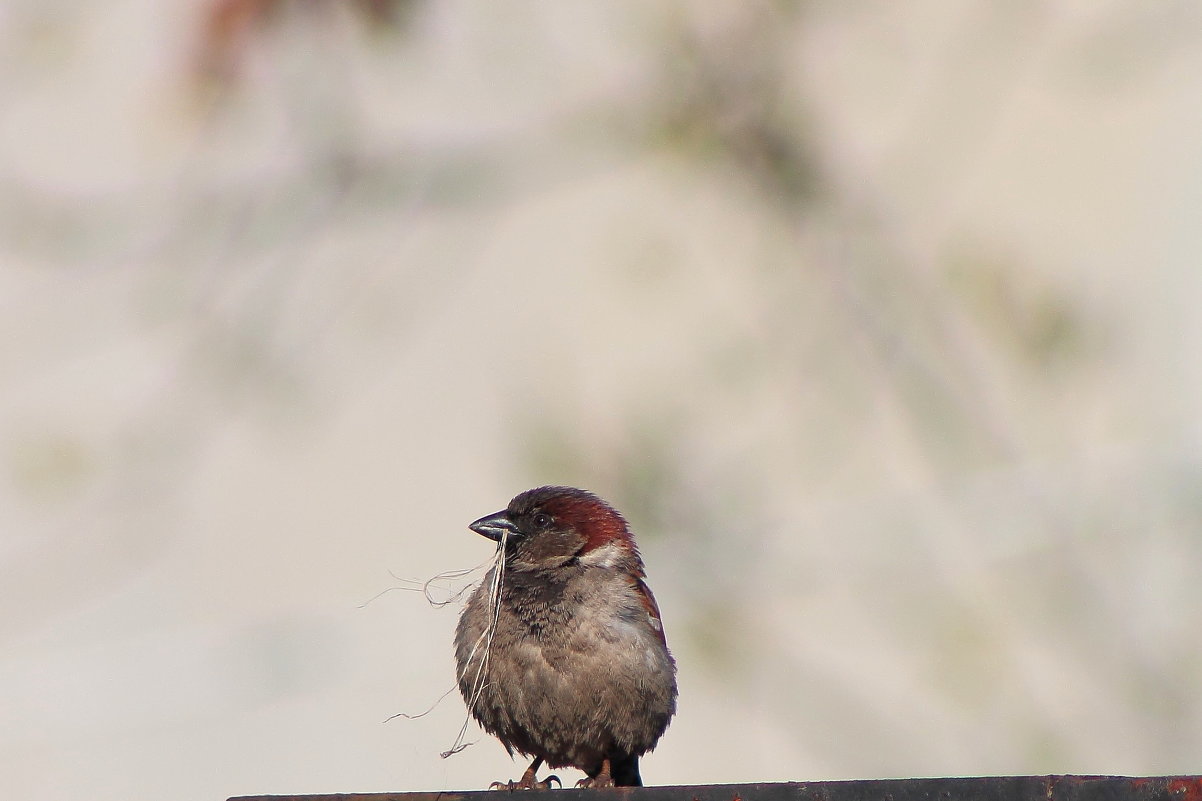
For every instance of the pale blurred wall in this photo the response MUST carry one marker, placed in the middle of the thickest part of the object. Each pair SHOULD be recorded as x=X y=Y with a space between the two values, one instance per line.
x=879 y=321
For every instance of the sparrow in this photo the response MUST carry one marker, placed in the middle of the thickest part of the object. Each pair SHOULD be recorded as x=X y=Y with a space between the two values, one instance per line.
x=560 y=650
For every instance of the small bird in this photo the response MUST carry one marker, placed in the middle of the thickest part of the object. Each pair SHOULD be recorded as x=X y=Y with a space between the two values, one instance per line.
x=560 y=650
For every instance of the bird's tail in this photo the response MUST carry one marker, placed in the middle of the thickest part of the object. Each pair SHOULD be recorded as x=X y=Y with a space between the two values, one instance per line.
x=625 y=771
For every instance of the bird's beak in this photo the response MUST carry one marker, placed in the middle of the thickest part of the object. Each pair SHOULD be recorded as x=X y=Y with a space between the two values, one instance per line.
x=495 y=526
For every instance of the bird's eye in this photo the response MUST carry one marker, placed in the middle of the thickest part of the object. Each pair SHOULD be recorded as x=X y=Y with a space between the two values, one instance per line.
x=542 y=520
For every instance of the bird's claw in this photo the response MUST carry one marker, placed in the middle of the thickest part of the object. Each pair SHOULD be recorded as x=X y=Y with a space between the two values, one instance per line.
x=526 y=784
x=596 y=782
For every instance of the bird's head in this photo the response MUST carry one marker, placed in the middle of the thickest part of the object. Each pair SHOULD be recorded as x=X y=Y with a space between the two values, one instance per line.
x=548 y=527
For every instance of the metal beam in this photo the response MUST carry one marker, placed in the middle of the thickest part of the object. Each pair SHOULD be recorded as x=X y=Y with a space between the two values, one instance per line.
x=999 y=788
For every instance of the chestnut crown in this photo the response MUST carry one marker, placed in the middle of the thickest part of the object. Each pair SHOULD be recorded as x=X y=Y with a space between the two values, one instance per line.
x=550 y=526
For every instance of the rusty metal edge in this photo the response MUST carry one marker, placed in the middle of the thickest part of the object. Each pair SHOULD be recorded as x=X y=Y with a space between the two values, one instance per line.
x=1054 y=787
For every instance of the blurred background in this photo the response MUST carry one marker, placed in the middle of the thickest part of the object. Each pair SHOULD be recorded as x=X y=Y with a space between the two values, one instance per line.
x=878 y=320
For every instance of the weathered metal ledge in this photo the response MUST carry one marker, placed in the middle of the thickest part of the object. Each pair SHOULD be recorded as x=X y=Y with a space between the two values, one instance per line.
x=996 y=788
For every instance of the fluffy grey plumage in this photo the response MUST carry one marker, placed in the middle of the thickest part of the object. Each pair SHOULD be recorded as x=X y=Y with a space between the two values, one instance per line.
x=577 y=672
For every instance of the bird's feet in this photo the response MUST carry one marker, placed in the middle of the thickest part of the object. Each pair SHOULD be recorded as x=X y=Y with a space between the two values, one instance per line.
x=528 y=781
x=600 y=780
x=520 y=784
